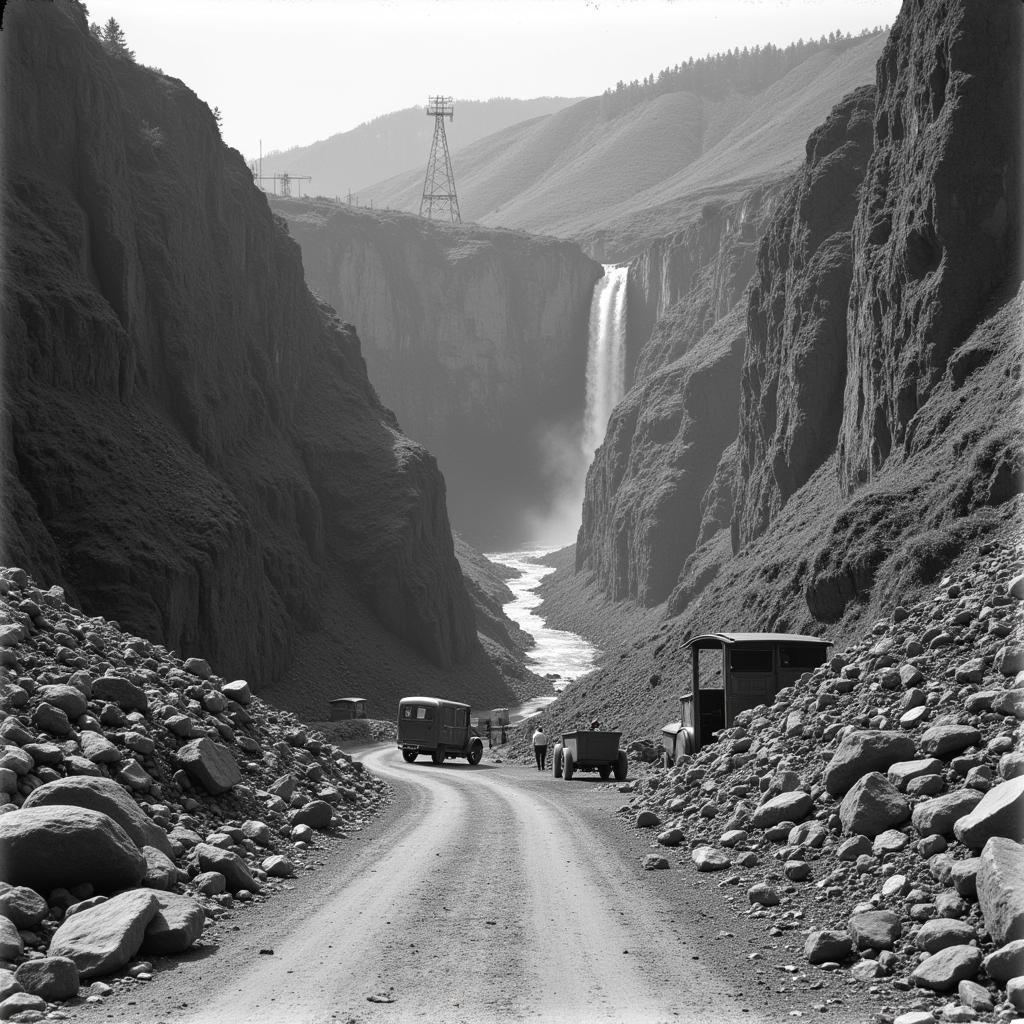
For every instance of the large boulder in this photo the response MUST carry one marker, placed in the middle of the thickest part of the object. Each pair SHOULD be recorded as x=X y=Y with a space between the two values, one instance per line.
x=824 y=945
x=875 y=929
x=50 y=977
x=318 y=814
x=946 y=740
x=161 y=872
x=62 y=846
x=209 y=765
x=107 y=797
x=872 y=805
x=939 y=815
x=941 y=932
x=943 y=971
x=11 y=944
x=230 y=865
x=1000 y=892
x=1000 y=812
x=177 y=924
x=784 y=807
x=126 y=695
x=863 y=751
x=23 y=906
x=68 y=699
x=105 y=937
x=902 y=773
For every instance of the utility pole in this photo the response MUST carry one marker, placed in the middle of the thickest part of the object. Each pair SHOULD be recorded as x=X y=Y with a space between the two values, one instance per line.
x=439 y=183
x=283 y=182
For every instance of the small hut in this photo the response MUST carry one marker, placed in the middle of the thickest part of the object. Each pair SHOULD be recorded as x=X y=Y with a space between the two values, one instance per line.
x=345 y=708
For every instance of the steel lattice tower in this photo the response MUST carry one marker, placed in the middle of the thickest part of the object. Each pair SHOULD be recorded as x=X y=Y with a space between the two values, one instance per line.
x=439 y=183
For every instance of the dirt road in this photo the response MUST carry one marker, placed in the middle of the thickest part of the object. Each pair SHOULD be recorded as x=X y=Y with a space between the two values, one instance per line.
x=485 y=894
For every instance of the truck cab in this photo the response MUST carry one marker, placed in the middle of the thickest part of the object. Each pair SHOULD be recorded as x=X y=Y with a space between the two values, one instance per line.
x=438 y=727
x=733 y=672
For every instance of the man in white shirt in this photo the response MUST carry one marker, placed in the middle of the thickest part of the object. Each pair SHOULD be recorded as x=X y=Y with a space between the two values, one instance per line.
x=540 y=748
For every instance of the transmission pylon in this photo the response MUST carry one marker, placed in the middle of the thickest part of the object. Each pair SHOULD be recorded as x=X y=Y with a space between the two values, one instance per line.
x=439 y=183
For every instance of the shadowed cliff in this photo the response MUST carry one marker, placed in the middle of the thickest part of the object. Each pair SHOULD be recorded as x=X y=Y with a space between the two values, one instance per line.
x=191 y=442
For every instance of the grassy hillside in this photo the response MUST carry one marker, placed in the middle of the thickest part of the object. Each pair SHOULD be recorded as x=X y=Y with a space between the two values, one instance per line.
x=614 y=181
x=397 y=142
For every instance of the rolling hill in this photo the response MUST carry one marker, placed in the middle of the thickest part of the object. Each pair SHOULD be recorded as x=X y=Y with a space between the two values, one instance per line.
x=399 y=142
x=615 y=181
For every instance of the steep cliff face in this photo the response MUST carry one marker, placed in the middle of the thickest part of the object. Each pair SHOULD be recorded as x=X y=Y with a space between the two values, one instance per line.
x=939 y=226
x=192 y=444
x=794 y=367
x=477 y=338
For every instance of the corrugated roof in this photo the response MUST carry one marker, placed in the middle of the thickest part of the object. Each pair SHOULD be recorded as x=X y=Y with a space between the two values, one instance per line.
x=763 y=638
x=435 y=701
x=345 y=700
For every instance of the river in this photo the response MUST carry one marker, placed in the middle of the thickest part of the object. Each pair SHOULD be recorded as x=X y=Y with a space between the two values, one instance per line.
x=556 y=652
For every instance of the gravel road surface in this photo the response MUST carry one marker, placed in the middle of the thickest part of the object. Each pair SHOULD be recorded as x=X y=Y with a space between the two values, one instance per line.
x=488 y=893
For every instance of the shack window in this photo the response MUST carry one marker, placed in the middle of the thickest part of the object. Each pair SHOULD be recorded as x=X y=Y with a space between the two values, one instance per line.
x=801 y=656
x=418 y=713
x=751 y=661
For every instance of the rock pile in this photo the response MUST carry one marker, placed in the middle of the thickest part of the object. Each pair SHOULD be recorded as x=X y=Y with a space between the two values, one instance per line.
x=874 y=814
x=140 y=796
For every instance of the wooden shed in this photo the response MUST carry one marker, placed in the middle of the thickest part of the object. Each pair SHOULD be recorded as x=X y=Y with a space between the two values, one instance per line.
x=344 y=708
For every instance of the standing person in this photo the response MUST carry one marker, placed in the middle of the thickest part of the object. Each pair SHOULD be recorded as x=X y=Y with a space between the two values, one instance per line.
x=540 y=747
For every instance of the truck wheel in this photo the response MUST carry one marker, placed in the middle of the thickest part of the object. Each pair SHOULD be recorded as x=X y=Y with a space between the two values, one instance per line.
x=437 y=757
x=621 y=767
x=604 y=771
x=568 y=767
x=556 y=761
x=476 y=751
x=410 y=755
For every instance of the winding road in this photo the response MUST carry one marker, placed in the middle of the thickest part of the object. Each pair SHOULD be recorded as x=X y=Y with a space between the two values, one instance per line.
x=488 y=893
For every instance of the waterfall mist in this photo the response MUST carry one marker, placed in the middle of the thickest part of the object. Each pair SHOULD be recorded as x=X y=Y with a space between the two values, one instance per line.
x=568 y=453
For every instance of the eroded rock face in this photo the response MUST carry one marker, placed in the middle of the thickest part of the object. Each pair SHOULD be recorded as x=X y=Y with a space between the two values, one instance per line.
x=177 y=378
x=476 y=337
x=794 y=367
x=937 y=229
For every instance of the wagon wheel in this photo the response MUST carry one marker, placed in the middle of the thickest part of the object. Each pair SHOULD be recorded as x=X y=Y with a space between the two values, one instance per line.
x=621 y=767
x=476 y=751
x=437 y=757
x=604 y=771
x=410 y=755
x=556 y=761
x=568 y=765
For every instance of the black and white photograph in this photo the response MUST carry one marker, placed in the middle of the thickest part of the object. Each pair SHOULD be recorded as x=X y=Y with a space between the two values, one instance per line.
x=512 y=511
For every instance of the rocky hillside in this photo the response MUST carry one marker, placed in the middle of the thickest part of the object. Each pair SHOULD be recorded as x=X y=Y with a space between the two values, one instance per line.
x=477 y=338
x=724 y=482
x=617 y=179
x=399 y=141
x=191 y=441
x=142 y=800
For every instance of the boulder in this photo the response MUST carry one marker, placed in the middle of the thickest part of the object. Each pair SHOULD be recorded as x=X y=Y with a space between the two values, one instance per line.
x=209 y=765
x=104 y=938
x=872 y=805
x=1000 y=893
x=785 y=807
x=974 y=996
x=99 y=749
x=160 y=870
x=258 y=831
x=126 y=695
x=827 y=945
x=278 y=866
x=198 y=667
x=23 y=906
x=707 y=858
x=210 y=883
x=23 y=1005
x=654 y=862
x=1015 y=994
x=178 y=923
x=107 y=797
x=938 y=815
x=318 y=814
x=946 y=740
x=230 y=865
x=943 y=971
x=48 y=848
x=1000 y=812
x=68 y=699
x=1009 y=660
x=1009 y=703
x=763 y=894
x=50 y=977
x=863 y=751
x=1006 y=962
x=8 y=984
x=902 y=773
x=875 y=929
x=11 y=945
x=238 y=691
x=941 y=932
x=964 y=876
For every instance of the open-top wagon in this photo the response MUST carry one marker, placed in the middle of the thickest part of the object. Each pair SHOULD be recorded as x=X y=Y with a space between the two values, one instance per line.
x=587 y=751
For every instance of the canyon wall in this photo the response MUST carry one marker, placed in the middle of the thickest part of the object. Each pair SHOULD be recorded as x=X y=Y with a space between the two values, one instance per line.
x=191 y=443
x=476 y=337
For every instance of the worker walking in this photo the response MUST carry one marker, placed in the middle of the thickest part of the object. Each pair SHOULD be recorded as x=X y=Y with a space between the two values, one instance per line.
x=540 y=748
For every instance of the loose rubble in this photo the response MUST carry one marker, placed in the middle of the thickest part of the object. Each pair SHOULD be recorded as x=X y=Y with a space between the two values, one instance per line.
x=874 y=814
x=142 y=798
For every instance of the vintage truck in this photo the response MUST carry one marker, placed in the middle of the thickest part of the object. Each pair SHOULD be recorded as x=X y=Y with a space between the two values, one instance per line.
x=738 y=671
x=438 y=727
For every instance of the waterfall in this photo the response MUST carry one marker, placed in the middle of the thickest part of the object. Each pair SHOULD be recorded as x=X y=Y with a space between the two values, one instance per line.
x=606 y=355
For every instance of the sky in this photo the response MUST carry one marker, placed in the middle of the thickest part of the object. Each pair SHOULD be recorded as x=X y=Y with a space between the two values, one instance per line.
x=290 y=72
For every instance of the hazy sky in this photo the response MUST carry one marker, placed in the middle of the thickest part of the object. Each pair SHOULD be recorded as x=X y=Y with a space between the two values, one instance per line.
x=290 y=72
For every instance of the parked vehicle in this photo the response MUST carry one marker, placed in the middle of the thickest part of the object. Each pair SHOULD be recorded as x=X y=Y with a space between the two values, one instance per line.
x=588 y=751
x=440 y=728
x=752 y=670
